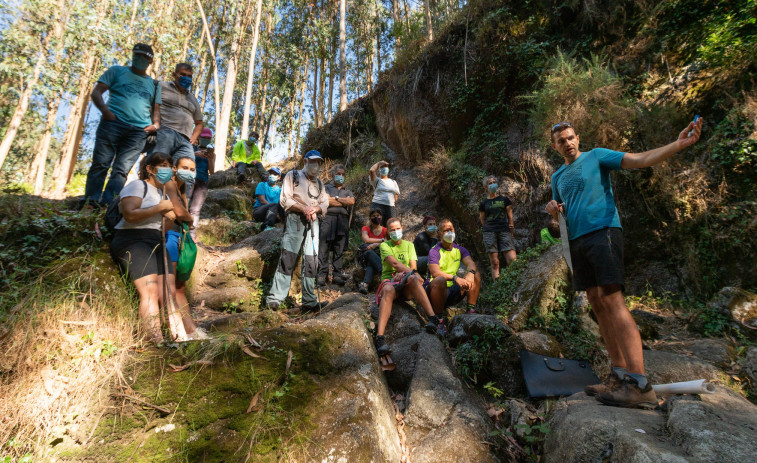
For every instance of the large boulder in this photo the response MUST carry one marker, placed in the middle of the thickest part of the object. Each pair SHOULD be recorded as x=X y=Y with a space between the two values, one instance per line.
x=232 y=201
x=230 y=278
x=222 y=178
x=750 y=366
x=445 y=421
x=713 y=427
x=667 y=367
x=647 y=322
x=740 y=306
x=541 y=283
x=540 y=343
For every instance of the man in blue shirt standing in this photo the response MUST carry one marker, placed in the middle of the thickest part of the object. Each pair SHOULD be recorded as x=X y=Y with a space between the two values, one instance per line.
x=133 y=111
x=581 y=189
x=267 y=195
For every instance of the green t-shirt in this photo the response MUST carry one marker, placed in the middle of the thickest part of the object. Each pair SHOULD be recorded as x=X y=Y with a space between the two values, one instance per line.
x=404 y=252
x=448 y=261
x=130 y=95
x=547 y=238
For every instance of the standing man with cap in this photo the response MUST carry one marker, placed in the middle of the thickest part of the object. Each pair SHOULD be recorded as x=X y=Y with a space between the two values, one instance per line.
x=247 y=154
x=267 y=196
x=180 y=116
x=133 y=111
x=335 y=228
x=304 y=199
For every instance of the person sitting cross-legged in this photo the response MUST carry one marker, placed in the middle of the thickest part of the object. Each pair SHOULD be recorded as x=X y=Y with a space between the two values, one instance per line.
x=267 y=196
x=446 y=288
x=400 y=281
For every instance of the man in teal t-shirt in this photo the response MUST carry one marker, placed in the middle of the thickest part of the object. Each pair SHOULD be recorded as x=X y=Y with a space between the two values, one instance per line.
x=267 y=195
x=400 y=281
x=133 y=111
x=581 y=189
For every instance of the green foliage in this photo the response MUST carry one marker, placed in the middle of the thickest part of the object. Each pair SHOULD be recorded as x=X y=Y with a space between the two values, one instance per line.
x=710 y=321
x=586 y=93
x=564 y=323
x=472 y=357
x=461 y=175
x=76 y=186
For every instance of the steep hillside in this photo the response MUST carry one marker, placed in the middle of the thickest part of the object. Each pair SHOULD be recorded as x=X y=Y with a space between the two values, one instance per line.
x=629 y=75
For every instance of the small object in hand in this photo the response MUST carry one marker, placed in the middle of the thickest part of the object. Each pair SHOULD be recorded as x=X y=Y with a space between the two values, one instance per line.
x=696 y=118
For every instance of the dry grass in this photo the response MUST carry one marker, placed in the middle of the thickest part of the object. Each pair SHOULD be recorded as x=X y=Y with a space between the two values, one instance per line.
x=67 y=343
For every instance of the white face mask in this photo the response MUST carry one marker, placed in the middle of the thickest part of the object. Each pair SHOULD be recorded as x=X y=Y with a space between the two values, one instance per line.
x=313 y=169
x=449 y=237
x=395 y=235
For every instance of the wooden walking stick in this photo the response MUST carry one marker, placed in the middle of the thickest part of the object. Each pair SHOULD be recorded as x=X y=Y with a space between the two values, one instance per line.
x=175 y=327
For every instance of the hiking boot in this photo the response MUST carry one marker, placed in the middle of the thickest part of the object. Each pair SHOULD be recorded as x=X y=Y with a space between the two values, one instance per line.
x=272 y=305
x=382 y=348
x=628 y=394
x=363 y=287
x=436 y=326
x=611 y=383
x=314 y=307
x=321 y=281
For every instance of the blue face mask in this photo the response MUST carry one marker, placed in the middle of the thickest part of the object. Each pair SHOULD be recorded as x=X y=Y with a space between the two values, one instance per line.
x=164 y=175
x=186 y=176
x=432 y=228
x=140 y=61
x=384 y=171
x=493 y=188
x=272 y=179
x=185 y=82
x=339 y=179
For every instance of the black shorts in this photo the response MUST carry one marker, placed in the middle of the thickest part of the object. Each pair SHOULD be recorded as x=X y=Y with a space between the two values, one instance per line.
x=454 y=293
x=138 y=252
x=597 y=259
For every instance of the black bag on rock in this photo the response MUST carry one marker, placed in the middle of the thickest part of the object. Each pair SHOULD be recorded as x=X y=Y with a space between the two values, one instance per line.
x=552 y=377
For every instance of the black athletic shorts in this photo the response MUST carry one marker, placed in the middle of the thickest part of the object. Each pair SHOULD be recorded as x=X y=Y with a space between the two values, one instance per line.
x=138 y=252
x=597 y=259
x=454 y=293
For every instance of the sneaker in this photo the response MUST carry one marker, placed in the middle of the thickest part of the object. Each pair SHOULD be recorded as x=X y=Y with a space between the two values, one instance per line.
x=382 y=348
x=436 y=326
x=272 y=305
x=472 y=310
x=363 y=287
x=628 y=394
x=611 y=383
x=269 y=227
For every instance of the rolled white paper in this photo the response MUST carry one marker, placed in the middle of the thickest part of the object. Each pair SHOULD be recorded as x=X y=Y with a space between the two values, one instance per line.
x=698 y=386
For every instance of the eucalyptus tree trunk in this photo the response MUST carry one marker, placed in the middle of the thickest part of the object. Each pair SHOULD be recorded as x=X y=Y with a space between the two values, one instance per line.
x=332 y=70
x=429 y=26
x=343 y=55
x=314 y=96
x=397 y=21
x=37 y=172
x=303 y=88
x=203 y=57
x=213 y=57
x=251 y=71
x=262 y=98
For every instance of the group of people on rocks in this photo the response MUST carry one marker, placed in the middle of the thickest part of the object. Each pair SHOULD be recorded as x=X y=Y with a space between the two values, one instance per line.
x=172 y=186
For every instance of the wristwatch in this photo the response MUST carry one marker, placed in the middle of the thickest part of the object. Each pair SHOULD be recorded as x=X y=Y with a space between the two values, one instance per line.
x=472 y=271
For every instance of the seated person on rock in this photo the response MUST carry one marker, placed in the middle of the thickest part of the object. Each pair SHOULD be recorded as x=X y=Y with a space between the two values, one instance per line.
x=335 y=229
x=446 y=288
x=423 y=243
x=373 y=235
x=400 y=282
x=136 y=245
x=551 y=234
x=267 y=195
x=184 y=176
x=246 y=154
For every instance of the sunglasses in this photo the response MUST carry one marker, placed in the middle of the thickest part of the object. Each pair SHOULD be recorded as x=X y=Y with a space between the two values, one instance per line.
x=561 y=126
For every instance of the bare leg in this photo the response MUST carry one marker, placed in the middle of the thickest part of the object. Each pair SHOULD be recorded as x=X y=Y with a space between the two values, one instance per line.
x=182 y=304
x=414 y=289
x=494 y=261
x=175 y=324
x=385 y=307
x=438 y=294
x=475 y=290
x=510 y=256
x=606 y=327
x=149 y=290
x=624 y=327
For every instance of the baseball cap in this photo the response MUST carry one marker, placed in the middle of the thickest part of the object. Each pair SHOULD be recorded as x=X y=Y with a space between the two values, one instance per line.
x=275 y=170
x=144 y=49
x=206 y=133
x=313 y=154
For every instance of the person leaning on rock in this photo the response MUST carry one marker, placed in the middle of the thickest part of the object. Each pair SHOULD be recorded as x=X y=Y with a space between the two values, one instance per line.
x=335 y=229
x=180 y=116
x=400 y=282
x=581 y=189
x=446 y=288
x=247 y=154
x=304 y=199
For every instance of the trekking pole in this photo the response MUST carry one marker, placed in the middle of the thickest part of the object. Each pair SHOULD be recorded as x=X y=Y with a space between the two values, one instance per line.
x=168 y=302
x=315 y=254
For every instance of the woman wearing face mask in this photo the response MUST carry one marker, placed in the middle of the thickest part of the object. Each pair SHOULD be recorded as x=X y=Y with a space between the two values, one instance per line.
x=373 y=235
x=386 y=191
x=136 y=245
x=496 y=216
x=267 y=194
x=204 y=160
x=184 y=176
x=424 y=241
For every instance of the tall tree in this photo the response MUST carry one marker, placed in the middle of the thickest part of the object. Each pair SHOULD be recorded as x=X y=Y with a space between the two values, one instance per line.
x=251 y=71
x=429 y=26
x=343 y=55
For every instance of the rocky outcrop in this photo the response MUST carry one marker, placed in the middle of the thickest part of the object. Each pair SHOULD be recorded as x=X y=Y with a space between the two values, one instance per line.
x=230 y=277
x=667 y=367
x=540 y=284
x=231 y=200
x=714 y=427
x=740 y=307
x=540 y=343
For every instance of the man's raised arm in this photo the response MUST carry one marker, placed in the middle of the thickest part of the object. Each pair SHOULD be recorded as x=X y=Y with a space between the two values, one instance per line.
x=656 y=156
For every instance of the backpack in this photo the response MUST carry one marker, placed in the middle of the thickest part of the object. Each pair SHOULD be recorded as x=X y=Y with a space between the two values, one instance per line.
x=187 y=255
x=113 y=213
